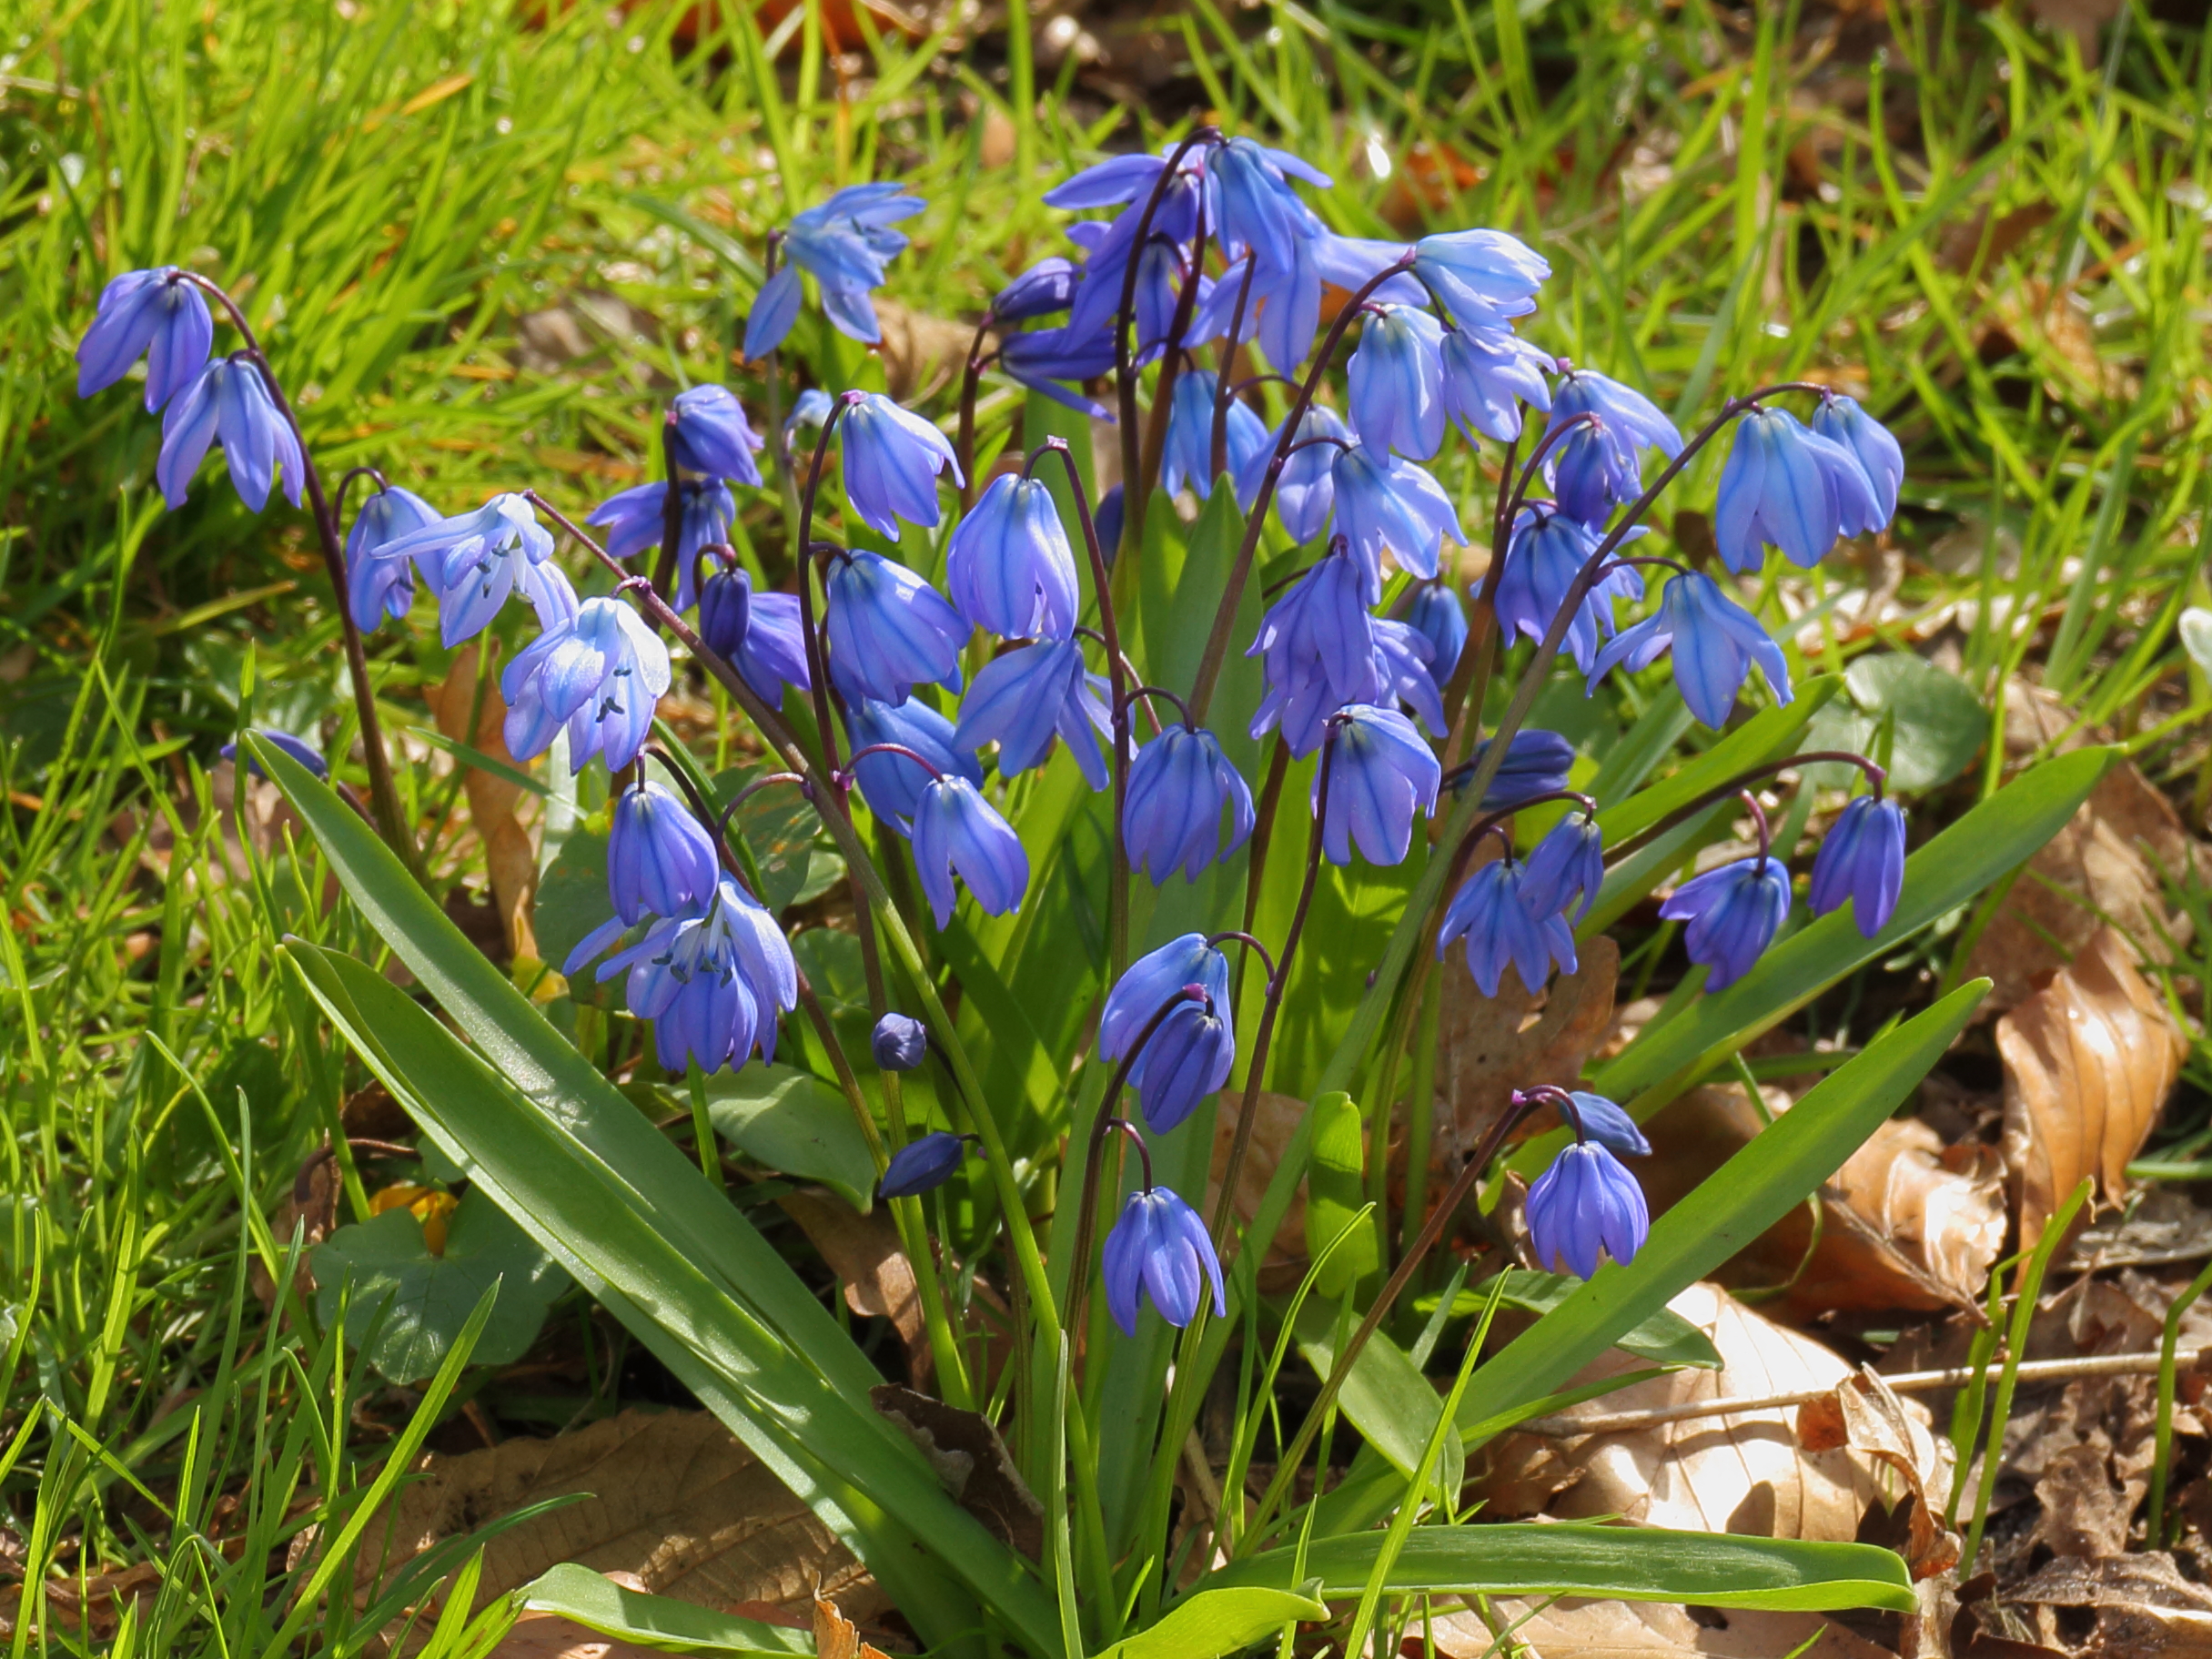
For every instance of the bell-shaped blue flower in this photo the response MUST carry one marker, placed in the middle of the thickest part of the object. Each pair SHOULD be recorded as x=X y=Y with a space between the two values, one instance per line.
x=1566 y=870
x=633 y=521
x=1600 y=463
x=602 y=674
x=1405 y=664
x=1022 y=698
x=1386 y=502
x=1397 y=382
x=1180 y=785
x=1482 y=275
x=1191 y=1051
x=229 y=400
x=1110 y=183
x=892 y=784
x=1317 y=646
x=1840 y=421
x=1162 y=274
x=1716 y=643
x=712 y=983
x=1188 y=457
x=899 y=1042
x=473 y=561
x=1488 y=373
x=923 y=1163
x=659 y=860
x=156 y=314
x=1306 y=490
x=379 y=586
x=1490 y=913
x=1044 y=289
x=297 y=748
x=1585 y=1203
x=762 y=635
x=1733 y=914
x=1544 y=554
x=1536 y=763
x=1253 y=207
x=889 y=629
x=1159 y=1250
x=1861 y=861
x=1378 y=772
x=892 y=460
x=958 y=833
x=1042 y=358
x=1787 y=487
x=1602 y=1122
x=1009 y=568
x=1434 y=612
x=844 y=244
x=713 y=435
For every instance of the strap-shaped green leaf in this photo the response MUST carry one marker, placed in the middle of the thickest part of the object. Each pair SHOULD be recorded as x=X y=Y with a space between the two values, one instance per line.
x=1211 y=1623
x=597 y=1602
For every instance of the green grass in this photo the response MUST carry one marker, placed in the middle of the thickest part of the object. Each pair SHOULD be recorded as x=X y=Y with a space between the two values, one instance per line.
x=392 y=190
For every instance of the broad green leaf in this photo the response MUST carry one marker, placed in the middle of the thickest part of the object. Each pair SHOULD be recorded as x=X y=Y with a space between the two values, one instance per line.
x=1208 y=1623
x=571 y=901
x=1666 y=1336
x=1622 y=1562
x=416 y=1303
x=792 y=1121
x=1939 y=726
x=1335 y=1196
x=596 y=1601
x=783 y=833
x=1385 y=1396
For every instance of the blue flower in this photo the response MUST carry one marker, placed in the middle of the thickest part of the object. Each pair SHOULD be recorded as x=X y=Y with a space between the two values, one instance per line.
x=843 y=243
x=475 y=560
x=892 y=782
x=1044 y=289
x=762 y=635
x=899 y=1042
x=1161 y=274
x=1042 y=358
x=1490 y=912
x=1397 y=382
x=1488 y=373
x=889 y=629
x=1599 y=463
x=157 y=314
x=1253 y=207
x=1786 y=487
x=377 y=585
x=922 y=1164
x=1602 y=1122
x=1584 y=1203
x=1306 y=489
x=659 y=860
x=958 y=833
x=634 y=521
x=1544 y=554
x=1536 y=763
x=1009 y=568
x=1179 y=785
x=1566 y=870
x=892 y=460
x=1317 y=646
x=1733 y=914
x=711 y=983
x=1188 y=458
x=1192 y=1049
x=1404 y=663
x=230 y=400
x=713 y=435
x=1378 y=772
x=1105 y=521
x=1434 y=612
x=1840 y=421
x=1482 y=275
x=1108 y=184
x=297 y=748
x=1716 y=643
x=1159 y=1249
x=1022 y=698
x=602 y=674
x=1862 y=859
x=1384 y=501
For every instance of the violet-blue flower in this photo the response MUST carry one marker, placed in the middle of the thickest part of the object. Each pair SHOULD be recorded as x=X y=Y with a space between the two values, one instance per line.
x=1566 y=870
x=230 y=400
x=1434 y=612
x=1716 y=643
x=1254 y=206
x=634 y=521
x=762 y=635
x=713 y=435
x=1490 y=913
x=899 y=1042
x=1317 y=646
x=1159 y=1250
x=299 y=749
x=1840 y=421
x=958 y=833
x=379 y=586
x=1586 y=1202
x=1396 y=381
x=1379 y=771
x=1603 y=1121
x=844 y=244
x=1191 y=1051
x=1044 y=289
x=1733 y=914
x=1406 y=667
x=892 y=460
x=1180 y=785
x=1022 y=698
x=1861 y=861
x=1488 y=373
x=602 y=674
x=1536 y=763
x=889 y=629
x=1042 y=358
x=1787 y=487
x=892 y=784
x=1544 y=554
x=475 y=560
x=1188 y=456
x=1482 y=275
x=659 y=859
x=1600 y=463
x=922 y=1164
x=1009 y=567
x=1385 y=501
x=157 y=314
x=1306 y=489
x=713 y=983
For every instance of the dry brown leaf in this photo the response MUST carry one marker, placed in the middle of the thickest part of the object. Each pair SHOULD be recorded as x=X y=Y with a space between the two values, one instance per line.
x=673 y=1499
x=837 y=1637
x=1487 y=1047
x=93 y=1607
x=1580 y=1629
x=510 y=859
x=2145 y=1608
x=1865 y=1415
x=866 y=1255
x=1275 y=1120
x=311 y=1208
x=972 y=1462
x=2088 y=1063
x=921 y=353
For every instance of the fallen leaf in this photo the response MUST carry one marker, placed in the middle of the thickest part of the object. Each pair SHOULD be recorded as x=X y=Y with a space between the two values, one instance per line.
x=972 y=1462
x=2088 y=1063
x=1907 y=1223
x=92 y=1606
x=510 y=860
x=1865 y=1415
x=837 y=1637
x=311 y=1211
x=922 y=354
x=1574 y=1628
x=2145 y=1608
x=1276 y=1119
x=1487 y=1047
x=870 y=1262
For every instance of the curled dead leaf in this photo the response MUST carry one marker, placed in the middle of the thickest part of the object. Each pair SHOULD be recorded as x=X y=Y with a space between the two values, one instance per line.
x=1487 y=1047
x=972 y=1462
x=1580 y=1629
x=1864 y=1416
x=837 y=1637
x=2088 y=1063
x=1276 y=1120
x=870 y=1262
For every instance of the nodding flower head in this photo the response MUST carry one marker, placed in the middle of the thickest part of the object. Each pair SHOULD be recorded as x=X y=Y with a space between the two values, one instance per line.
x=1009 y=568
x=1840 y=421
x=1191 y=1050
x=1385 y=502
x=602 y=674
x=229 y=400
x=1189 y=457
x=1396 y=381
x=713 y=435
x=892 y=782
x=889 y=629
x=1022 y=699
x=1584 y=1204
x=712 y=983
x=1405 y=664
x=1488 y=373
x=899 y=1042
x=1317 y=646
x=1787 y=487
x=1306 y=489
x=1600 y=462
x=923 y=1163
x=1483 y=277
x=1378 y=773
x=1566 y=870
x=843 y=243
x=1862 y=861
x=762 y=635
x=1594 y=1118
x=1716 y=643
x=958 y=833
x=1159 y=1250
x=1733 y=914
x=378 y=586
x=157 y=314
x=1435 y=612
x=1253 y=207
x=659 y=859
x=1491 y=914
x=892 y=460
x=1545 y=553
x=634 y=521
x=299 y=749
x=1536 y=763
x=475 y=560
x=1180 y=785
x=1046 y=287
